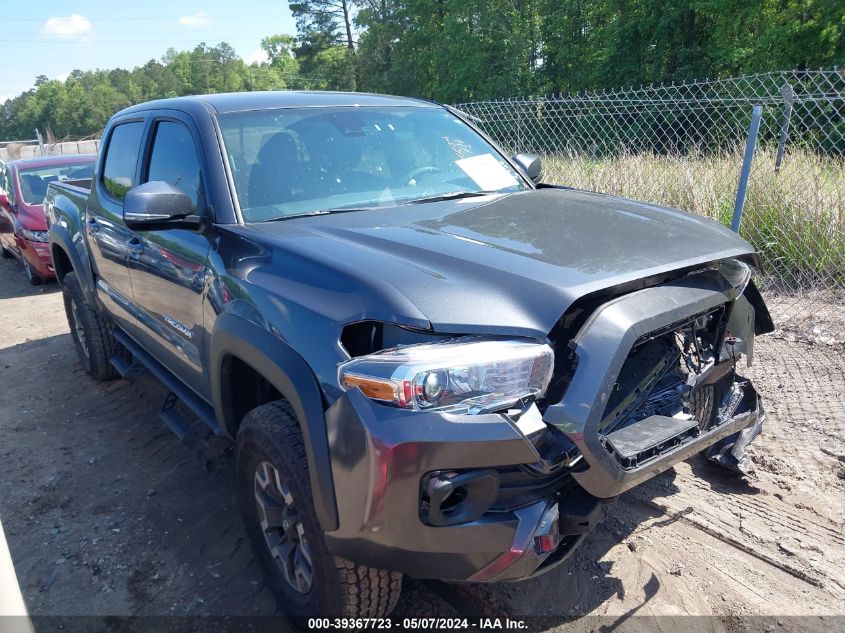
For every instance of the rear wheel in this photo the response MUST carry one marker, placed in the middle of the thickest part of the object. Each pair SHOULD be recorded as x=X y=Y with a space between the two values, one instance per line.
x=89 y=330
x=274 y=493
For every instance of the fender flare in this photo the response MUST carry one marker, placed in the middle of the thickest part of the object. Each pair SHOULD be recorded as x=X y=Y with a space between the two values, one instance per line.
x=288 y=372
x=61 y=239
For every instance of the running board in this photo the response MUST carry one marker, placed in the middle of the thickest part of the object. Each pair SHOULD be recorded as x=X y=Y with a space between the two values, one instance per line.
x=172 y=418
x=203 y=410
x=126 y=368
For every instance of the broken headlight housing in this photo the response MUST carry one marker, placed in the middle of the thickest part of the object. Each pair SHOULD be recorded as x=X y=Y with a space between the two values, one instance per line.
x=468 y=375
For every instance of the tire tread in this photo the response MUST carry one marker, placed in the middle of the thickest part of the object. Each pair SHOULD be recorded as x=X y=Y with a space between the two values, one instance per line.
x=101 y=343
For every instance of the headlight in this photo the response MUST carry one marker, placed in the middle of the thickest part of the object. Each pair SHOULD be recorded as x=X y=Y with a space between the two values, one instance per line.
x=466 y=375
x=35 y=236
x=737 y=273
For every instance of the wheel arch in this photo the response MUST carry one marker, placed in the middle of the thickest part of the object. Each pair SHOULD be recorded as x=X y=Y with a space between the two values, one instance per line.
x=236 y=340
x=67 y=259
x=61 y=261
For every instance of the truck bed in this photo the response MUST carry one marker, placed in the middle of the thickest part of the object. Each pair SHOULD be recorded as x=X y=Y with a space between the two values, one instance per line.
x=82 y=185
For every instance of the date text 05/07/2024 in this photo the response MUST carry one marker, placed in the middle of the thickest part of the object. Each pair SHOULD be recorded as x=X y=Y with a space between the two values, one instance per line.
x=417 y=623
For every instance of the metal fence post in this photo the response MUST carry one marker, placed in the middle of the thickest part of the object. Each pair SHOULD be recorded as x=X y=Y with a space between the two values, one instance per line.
x=40 y=141
x=750 y=144
x=788 y=95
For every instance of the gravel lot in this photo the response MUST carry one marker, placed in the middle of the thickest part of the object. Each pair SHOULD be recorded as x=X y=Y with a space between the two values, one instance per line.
x=107 y=513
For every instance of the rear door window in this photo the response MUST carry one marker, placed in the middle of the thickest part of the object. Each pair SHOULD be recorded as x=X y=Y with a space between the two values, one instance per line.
x=122 y=158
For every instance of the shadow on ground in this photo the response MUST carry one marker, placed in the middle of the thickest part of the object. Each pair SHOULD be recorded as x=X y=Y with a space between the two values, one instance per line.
x=14 y=283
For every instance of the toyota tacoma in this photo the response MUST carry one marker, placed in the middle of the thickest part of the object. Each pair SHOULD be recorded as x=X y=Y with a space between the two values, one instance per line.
x=430 y=362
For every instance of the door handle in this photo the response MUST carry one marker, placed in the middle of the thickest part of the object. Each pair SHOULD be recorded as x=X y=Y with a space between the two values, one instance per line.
x=135 y=246
x=93 y=225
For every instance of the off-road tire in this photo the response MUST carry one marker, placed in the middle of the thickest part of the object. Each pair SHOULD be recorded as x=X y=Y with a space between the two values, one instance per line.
x=340 y=588
x=98 y=345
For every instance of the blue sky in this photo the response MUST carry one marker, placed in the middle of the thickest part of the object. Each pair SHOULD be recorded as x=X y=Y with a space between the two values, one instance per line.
x=54 y=37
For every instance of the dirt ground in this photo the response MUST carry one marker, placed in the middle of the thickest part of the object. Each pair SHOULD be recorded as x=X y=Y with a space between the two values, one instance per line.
x=107 y=513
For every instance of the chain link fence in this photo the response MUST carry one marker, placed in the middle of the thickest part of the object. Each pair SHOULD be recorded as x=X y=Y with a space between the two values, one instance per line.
x=681 y=145
x=30 y=148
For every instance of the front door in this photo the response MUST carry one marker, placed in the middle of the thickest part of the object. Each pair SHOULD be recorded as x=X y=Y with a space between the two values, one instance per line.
x=168 y=267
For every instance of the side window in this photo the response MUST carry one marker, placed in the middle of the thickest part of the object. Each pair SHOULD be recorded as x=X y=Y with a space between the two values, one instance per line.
x=122 y=158
x=174 y=159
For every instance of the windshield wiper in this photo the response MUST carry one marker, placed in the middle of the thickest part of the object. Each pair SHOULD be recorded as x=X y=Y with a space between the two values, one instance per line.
x=454 y=195
x=307 y=214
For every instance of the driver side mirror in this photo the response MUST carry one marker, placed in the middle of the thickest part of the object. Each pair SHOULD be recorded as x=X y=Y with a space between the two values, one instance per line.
x=530 y=166
x=158 y=205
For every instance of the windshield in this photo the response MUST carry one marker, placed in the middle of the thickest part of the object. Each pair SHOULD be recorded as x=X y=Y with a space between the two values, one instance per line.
x=297 y=161
x=34 y=181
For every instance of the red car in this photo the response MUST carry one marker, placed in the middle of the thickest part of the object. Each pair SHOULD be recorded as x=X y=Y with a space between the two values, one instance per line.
x=23 y=226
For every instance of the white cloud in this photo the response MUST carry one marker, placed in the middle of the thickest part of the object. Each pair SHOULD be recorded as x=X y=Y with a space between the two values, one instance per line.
x=62 y=76
x=258 y=56
x=67 y=26
x=197 y=19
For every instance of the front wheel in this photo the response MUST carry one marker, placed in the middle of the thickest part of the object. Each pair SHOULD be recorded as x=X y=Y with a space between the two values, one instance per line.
x=31 y=276
x=89 y=330
x=274 y=494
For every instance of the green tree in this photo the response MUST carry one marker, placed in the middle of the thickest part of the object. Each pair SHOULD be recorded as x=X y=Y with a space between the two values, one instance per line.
x=326 y=25
x=457 y=50
x=283 y=63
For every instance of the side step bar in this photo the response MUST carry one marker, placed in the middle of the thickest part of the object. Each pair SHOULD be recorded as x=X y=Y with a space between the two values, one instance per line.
x=203 y=410
x=172 y=418
x=128 y=369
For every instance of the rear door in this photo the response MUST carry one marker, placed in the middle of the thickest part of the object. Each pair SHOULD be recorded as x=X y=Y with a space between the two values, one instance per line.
x=108 y=236
x=168 y=267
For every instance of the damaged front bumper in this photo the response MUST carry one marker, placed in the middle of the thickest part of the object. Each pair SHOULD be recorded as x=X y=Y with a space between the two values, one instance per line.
x=383 y=462
x=602 y=346
x=456 y=497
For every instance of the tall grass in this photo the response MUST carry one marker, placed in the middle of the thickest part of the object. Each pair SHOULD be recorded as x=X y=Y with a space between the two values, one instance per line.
x=795 y=217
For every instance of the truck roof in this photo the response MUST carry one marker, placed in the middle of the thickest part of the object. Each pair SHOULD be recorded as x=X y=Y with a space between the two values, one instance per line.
x=243 y=101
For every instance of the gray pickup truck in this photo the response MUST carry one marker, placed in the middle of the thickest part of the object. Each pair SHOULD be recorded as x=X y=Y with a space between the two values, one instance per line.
x=431 y=363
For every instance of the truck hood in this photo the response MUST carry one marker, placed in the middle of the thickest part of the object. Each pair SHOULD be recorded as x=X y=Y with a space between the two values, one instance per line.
x=31 y=216
x=505 y=264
